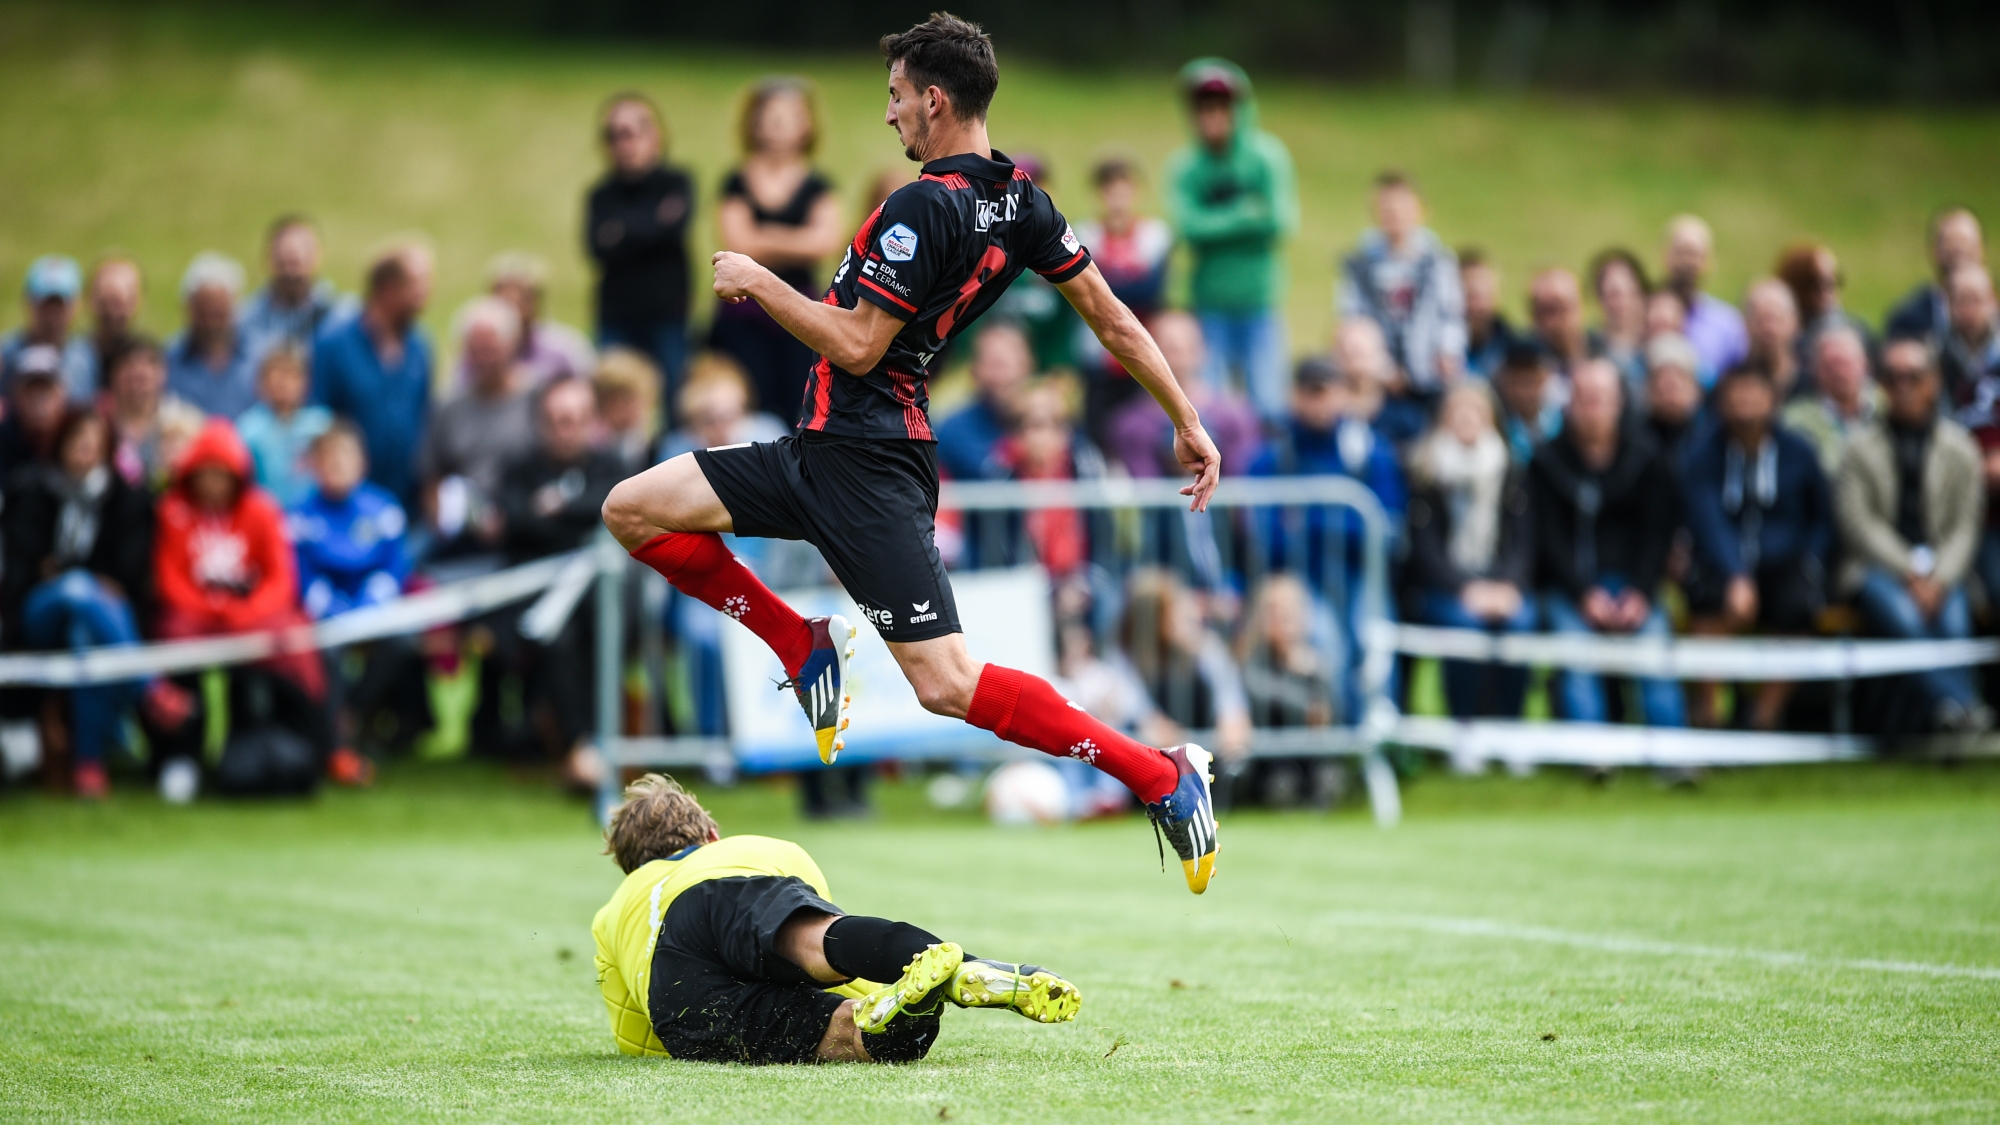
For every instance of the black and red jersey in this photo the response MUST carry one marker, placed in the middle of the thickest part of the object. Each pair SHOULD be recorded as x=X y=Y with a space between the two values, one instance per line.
x=935 y=255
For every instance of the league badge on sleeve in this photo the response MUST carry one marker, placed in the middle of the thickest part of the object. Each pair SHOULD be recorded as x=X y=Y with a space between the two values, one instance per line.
x=1069 y=242
x=899 y=243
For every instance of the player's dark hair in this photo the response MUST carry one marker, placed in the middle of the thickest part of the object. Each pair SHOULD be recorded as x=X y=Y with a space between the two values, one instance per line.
x=657 y=819
x=952 y=54
x=1472 y=257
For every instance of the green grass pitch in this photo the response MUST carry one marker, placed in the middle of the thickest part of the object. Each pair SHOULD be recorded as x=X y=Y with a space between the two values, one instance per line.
x=1807 y=945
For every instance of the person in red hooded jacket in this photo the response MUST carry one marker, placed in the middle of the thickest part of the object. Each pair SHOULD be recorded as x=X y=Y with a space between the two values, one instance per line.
x=221 y=561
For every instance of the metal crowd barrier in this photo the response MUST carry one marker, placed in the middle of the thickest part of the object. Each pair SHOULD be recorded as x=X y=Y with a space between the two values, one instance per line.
x=1254 y=527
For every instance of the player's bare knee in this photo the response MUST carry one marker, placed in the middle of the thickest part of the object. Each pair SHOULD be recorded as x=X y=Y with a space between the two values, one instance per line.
x=625 y=515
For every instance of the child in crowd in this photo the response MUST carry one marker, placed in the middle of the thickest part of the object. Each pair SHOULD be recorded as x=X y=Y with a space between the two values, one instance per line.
x=628 y=394
x=348 y=533
x=282 y=426
x=220 y=560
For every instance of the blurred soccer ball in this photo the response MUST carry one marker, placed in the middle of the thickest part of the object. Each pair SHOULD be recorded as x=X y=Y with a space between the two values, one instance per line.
x=1028 y=792
x=180 y=780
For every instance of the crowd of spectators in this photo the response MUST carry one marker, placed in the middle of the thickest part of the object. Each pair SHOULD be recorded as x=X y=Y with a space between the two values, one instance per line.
x=1672 y=462
x=1635 y=456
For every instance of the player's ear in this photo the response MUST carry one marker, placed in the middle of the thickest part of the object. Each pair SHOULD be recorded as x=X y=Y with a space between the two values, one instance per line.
x=714 y=834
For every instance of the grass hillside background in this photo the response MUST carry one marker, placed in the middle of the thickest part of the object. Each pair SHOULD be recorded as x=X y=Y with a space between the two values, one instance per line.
x=165 y=131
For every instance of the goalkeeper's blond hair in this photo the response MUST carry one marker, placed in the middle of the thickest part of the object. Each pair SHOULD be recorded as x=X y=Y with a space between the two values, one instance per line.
x=657 y=819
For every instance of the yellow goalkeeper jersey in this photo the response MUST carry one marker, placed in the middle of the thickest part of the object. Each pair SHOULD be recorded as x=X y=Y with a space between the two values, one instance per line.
x=627 y=928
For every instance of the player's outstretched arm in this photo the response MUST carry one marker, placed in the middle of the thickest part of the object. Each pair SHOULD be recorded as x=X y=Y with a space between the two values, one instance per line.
x=854 y=339
x=1123 y=336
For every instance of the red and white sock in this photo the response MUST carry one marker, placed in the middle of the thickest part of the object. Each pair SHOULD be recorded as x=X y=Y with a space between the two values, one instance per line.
x=1026 y=710
x=698 y=565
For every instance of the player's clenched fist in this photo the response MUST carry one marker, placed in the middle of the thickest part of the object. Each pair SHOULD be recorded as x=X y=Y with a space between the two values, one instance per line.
x=734 y=275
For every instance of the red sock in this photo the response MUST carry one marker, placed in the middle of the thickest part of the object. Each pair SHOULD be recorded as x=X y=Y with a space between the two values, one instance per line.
x=1024 y=709
x=699 y=566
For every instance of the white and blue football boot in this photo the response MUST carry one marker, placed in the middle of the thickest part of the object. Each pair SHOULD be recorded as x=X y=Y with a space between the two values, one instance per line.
x=1186 y=817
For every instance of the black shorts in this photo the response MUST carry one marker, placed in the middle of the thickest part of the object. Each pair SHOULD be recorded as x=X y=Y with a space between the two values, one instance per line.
x=869 y=505
x=720 y=992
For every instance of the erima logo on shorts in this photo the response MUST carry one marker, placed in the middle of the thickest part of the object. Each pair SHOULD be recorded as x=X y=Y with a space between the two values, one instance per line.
x=880 y=618
x=899 y=243
x=923 y=613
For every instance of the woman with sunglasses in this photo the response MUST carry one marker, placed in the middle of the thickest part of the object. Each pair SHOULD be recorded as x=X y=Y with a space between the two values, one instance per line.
x=635 y=228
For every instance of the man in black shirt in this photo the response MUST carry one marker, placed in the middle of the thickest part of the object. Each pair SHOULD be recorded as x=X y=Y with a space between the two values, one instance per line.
x=636 y=230
x=548 y=500
x=859 y=478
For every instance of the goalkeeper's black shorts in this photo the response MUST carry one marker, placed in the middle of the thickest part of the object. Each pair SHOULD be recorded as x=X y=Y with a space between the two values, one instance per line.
x=720 y=992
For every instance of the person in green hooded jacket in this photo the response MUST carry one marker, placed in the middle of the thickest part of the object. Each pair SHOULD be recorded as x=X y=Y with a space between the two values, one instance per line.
x=1234 y=202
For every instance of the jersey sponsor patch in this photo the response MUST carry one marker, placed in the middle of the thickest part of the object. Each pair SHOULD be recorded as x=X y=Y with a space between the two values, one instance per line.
x=1069 y=241
x=899 y=243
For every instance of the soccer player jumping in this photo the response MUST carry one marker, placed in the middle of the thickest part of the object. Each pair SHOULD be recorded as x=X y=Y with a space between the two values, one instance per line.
x=859 y=478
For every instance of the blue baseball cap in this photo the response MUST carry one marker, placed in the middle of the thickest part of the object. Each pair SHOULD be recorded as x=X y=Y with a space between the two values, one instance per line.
x=54 y=275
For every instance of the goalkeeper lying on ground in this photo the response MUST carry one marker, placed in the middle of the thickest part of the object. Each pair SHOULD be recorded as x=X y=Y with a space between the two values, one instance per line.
x=728 y=950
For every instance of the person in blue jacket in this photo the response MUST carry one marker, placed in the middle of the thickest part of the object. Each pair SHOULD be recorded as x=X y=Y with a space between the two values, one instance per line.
x=1329 y=433
x=348 y=532
x=1761 y=516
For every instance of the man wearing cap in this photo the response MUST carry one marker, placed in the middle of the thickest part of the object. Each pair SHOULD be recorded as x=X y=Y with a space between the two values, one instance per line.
x=32 y=381
x=1234 y=202
x=53 y=284
x=209 y=364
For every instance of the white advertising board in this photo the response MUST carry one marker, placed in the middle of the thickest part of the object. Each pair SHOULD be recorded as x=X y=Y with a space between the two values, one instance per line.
x=1006 y=617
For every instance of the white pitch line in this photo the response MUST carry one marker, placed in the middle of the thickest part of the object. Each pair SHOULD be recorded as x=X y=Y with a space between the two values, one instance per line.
x=1611 y=943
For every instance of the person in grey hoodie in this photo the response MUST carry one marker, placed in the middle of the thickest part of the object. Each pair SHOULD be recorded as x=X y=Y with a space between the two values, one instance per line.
x=1405 y=280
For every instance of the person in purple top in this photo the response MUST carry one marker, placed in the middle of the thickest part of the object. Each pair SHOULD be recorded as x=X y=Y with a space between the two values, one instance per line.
x=1714 y=326
x=1141 y=438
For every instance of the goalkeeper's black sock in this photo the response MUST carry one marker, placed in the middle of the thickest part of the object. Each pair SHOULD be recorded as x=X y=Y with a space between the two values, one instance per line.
x=874 y=949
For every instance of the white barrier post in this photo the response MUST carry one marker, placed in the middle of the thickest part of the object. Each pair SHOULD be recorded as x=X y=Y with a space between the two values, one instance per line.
x=611 y=564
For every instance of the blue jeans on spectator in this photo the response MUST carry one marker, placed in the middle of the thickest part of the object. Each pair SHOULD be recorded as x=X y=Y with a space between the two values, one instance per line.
x=1891 y=611
x=1251 y=344
x=74 y=610
x=1480 y=690
x=1582 y=694
x=662 y=341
